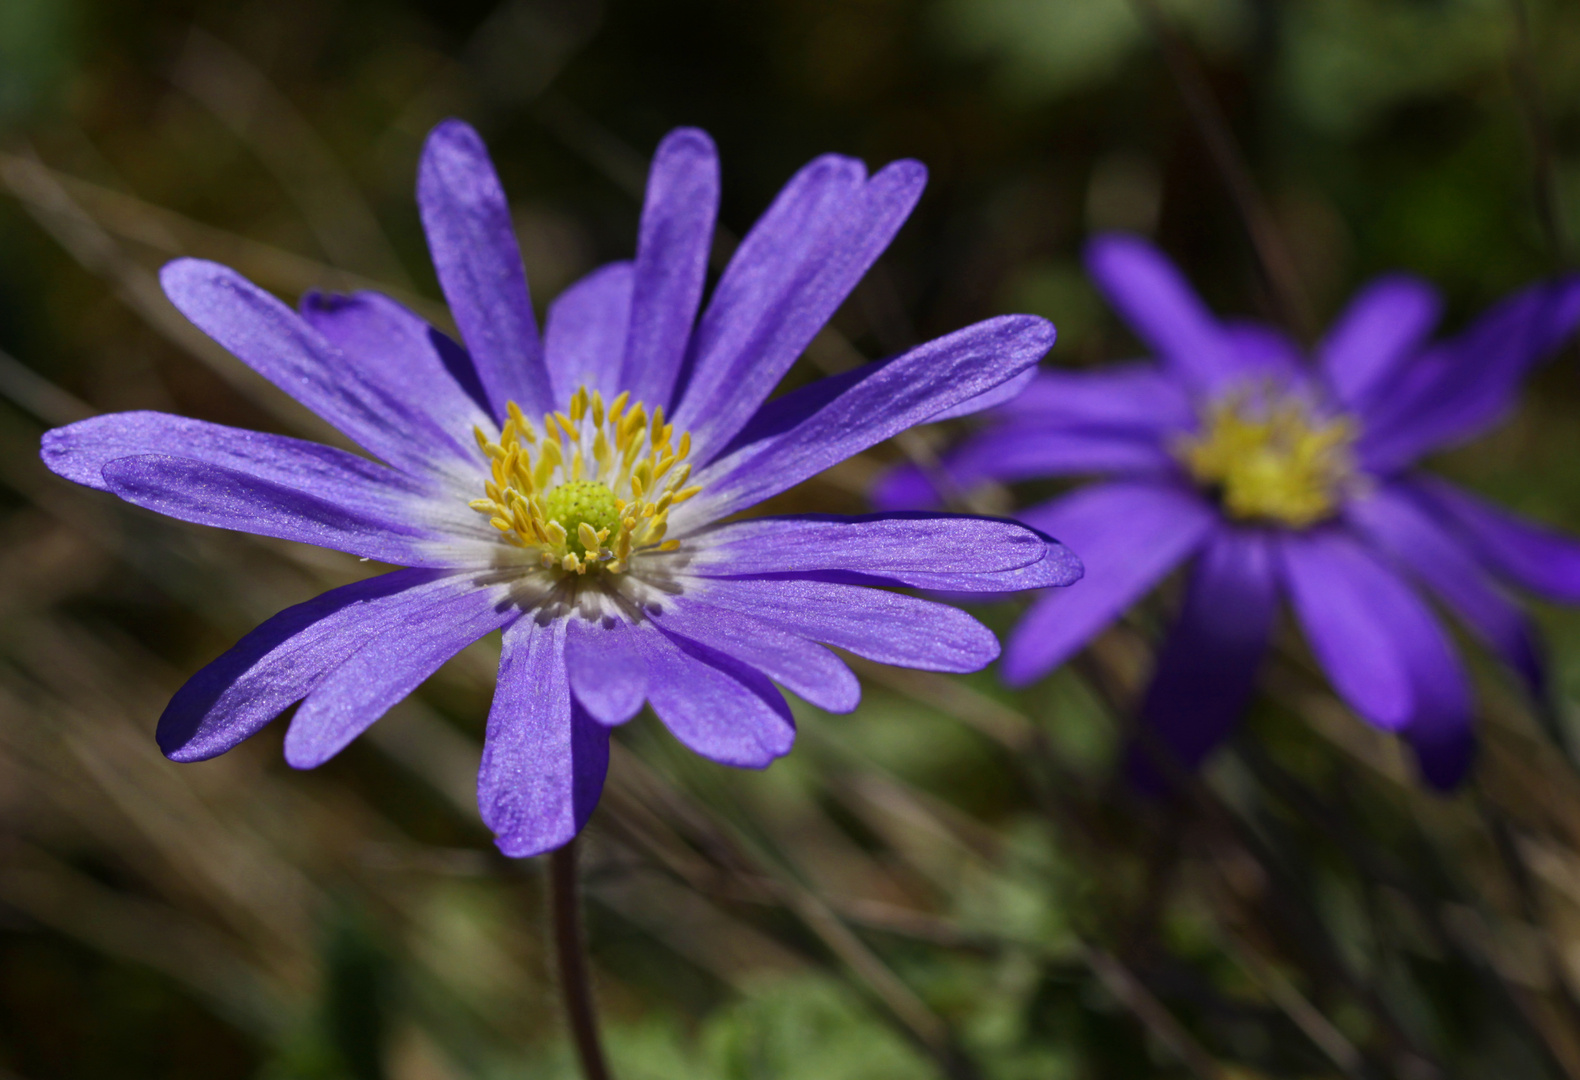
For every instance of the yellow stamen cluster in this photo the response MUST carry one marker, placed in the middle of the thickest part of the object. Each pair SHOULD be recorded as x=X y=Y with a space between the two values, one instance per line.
x=588 y=488
x=1270 y=458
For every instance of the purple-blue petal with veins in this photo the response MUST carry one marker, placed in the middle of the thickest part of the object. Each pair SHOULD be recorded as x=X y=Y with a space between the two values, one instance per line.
x=285 y=657
x=544 y=759
x=804 y=432
x=607 y=671
x=1128 y=534
x=584 y=343
x=675 y=238
x=1420 y=545
x=1206 y=670
x=1522 y=552
x=997 y=397
x=1382 y=328
x=889 y=628
x=389 y=667
x=789 y=276
x=713 y=704
x=477 y=258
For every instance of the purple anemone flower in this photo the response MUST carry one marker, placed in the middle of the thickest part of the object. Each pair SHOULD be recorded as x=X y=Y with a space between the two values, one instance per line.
x=572 y=490
x=1275 y=477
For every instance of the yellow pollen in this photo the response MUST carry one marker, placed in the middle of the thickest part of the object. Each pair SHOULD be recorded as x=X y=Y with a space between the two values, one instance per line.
x=1270 y=457
x=590 y=487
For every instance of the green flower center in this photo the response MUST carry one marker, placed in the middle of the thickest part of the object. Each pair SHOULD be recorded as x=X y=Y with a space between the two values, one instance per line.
x=582 y=502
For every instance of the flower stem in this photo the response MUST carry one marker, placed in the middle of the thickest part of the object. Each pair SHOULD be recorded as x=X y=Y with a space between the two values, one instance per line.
x=571 y=953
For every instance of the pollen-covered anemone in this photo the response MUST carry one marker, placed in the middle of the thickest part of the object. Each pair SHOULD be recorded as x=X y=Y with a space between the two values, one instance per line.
x=1275 y=477
x=570 y=490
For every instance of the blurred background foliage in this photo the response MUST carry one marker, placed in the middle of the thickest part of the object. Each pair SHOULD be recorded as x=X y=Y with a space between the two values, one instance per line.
x=954 y=882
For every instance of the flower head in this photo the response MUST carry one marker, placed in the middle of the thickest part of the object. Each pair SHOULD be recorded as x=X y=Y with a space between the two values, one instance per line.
x=571 y=489
x=1276 y=477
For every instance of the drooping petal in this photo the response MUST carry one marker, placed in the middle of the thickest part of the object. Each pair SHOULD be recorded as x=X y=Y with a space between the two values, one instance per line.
x=284 y=658
x=714 y=704
x=279 y=344
x=1206 y=671
x=804 y=432
x=1163 y=310
x=804 y=668
x=1525 y=553
x=874 y=543
x=1397 y=524
x=890 y=628
x=474 y=249
x=585 y=339
x=671 y=261
x=416 y=364
x=1129 y=534
x=544 y=759
x=1377 y=333
x=607 y=671
x=388 y=668
x=344 y=512
x=789 y=276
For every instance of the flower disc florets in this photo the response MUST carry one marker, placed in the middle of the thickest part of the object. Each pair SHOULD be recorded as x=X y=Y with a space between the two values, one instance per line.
x=1270 y=456
x=589 y=488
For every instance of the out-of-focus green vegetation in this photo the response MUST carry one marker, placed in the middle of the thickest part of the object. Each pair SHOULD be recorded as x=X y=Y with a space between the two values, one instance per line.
x=952 y=882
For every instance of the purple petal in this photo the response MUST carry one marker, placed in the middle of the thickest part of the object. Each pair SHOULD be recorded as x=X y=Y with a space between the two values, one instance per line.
x=1263 y=353
x=1207 y=670
x=473 y=243
x=282 y=660
x=805 y=669
x=388 y=668
x=1129 y=534
x=671 y=261
x=890 y=628
x=1381 y=329
x=1396 y=523
x=1529 y=555
x=585 y=340
x=804 y=432
x=714 y=704
x=878 y=543
x=1000 y=395
x=343 y=512
x=1163 y=310
x=608 y=675
x=544 y=760
x=279 y=344
x=1136 y=397
x=411 y=361
x=789 y=276
x=1457 y=389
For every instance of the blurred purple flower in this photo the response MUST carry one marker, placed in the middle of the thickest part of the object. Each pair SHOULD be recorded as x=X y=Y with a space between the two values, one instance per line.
x=1277 y=477
x=570 y=490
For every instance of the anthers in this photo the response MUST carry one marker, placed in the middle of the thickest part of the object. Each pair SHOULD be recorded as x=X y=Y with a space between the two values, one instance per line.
x=588 y=488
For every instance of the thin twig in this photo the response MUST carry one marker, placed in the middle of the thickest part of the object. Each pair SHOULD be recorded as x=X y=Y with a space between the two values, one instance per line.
x=1528 y=92
x=570 y=950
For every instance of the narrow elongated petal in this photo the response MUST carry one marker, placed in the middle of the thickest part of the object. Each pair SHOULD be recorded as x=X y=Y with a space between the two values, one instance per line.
x=283 y=659
x=278 y=344
x=1420 y=545
x=342 y=514
x=785 y=282
x=1525 y=553
x=805 y=669
x=714 y=704
x=478 y=261
x=585 y=340
x=388 y=668
x=1206 y=671
x=671 y=261
x=881 y=542
x=1134 y=397
x=606 y=667
x=1380 y=330
x=890 y=628
x=1129 y=534
x=1163 y=310
x=544 y=760
x=804 y=432
x=1001 y=394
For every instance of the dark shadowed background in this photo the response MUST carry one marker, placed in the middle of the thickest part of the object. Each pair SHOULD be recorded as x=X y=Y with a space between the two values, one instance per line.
x=954 y=881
